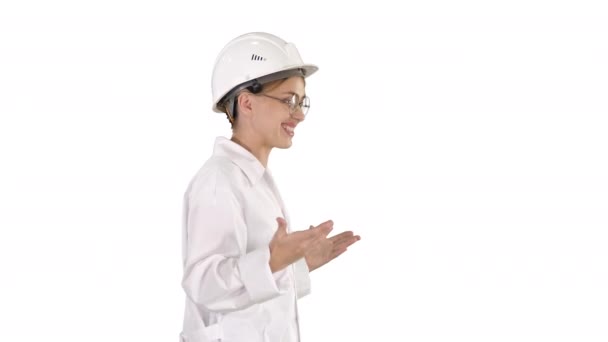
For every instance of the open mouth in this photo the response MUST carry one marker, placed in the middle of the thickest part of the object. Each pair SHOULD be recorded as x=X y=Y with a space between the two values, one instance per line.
x=288 y=129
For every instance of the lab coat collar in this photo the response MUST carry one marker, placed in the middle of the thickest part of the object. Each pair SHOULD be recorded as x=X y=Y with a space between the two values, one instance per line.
x=251 y=166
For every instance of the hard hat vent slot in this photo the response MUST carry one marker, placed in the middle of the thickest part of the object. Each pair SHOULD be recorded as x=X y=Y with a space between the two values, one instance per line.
x=255 y=57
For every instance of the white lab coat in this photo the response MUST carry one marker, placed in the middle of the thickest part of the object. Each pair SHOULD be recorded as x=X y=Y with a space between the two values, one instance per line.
x=229 y=218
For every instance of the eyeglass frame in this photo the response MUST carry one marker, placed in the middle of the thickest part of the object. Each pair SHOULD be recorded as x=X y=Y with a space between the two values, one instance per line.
x=304 y=108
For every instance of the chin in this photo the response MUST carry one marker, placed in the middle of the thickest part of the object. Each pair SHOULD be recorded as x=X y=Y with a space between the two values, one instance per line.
x=284 y=144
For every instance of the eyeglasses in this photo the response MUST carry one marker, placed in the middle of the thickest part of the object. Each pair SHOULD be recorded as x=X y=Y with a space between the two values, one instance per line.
x=293 y=102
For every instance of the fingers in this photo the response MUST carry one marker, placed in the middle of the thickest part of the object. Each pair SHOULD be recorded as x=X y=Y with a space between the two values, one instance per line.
x=336 y=253
x=341 y=236
x=344 y=239
x=308 y=236
x=342 y=242
x=347 y=241
x=324 y=228
x=347 y=238
x=342 y=246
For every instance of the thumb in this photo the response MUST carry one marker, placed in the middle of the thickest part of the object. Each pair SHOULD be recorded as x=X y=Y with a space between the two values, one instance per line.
x=282 y=230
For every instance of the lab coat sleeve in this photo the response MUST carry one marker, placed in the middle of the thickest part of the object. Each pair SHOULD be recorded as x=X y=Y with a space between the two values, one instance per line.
x=302 y=276
x=218 y=273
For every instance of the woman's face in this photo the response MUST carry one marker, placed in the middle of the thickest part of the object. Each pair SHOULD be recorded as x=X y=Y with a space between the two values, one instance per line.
x=272 y=120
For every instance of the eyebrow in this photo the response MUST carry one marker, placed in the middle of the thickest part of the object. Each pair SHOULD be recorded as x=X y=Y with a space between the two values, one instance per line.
x=293 y=93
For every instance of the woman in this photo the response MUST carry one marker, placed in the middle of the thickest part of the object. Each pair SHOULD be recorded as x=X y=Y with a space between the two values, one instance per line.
x=243 y=267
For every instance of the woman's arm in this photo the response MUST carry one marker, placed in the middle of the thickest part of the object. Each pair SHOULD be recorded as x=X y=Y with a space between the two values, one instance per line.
x=218 y=273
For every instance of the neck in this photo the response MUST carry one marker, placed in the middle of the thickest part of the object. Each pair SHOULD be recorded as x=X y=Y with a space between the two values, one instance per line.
x=257 y=149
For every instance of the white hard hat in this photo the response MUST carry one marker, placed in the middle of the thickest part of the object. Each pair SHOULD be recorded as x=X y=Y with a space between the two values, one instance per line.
x=254 y=57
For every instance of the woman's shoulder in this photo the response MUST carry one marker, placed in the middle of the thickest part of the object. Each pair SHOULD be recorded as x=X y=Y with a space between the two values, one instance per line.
x=218 y=173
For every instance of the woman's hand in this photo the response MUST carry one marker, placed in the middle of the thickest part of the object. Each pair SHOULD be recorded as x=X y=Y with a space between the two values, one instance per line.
x=285 y=249
x=326 y=249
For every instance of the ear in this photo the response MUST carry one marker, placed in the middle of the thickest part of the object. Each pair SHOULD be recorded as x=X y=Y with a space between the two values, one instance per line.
x=245 y=104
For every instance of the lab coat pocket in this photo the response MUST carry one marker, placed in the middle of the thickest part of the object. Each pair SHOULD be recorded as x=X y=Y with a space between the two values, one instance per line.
x=212 y=333
x=246 y=326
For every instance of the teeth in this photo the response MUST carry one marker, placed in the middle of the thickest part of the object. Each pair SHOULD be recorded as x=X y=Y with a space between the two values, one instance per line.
x=288 y=128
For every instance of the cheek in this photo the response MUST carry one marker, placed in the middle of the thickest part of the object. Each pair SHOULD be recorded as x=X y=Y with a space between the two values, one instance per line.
x=269 y=122
x=274 y=120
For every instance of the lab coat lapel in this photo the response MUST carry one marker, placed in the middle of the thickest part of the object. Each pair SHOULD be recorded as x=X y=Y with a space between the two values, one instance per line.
x=277 y=194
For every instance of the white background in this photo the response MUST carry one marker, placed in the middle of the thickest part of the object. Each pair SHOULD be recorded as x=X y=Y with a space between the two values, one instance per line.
x=465 y=141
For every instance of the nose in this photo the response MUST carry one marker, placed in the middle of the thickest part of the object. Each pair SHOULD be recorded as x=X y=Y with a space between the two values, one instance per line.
x=298 y=114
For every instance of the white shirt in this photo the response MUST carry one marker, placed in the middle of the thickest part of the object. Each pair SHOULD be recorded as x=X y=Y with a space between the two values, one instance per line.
x=229 y=218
